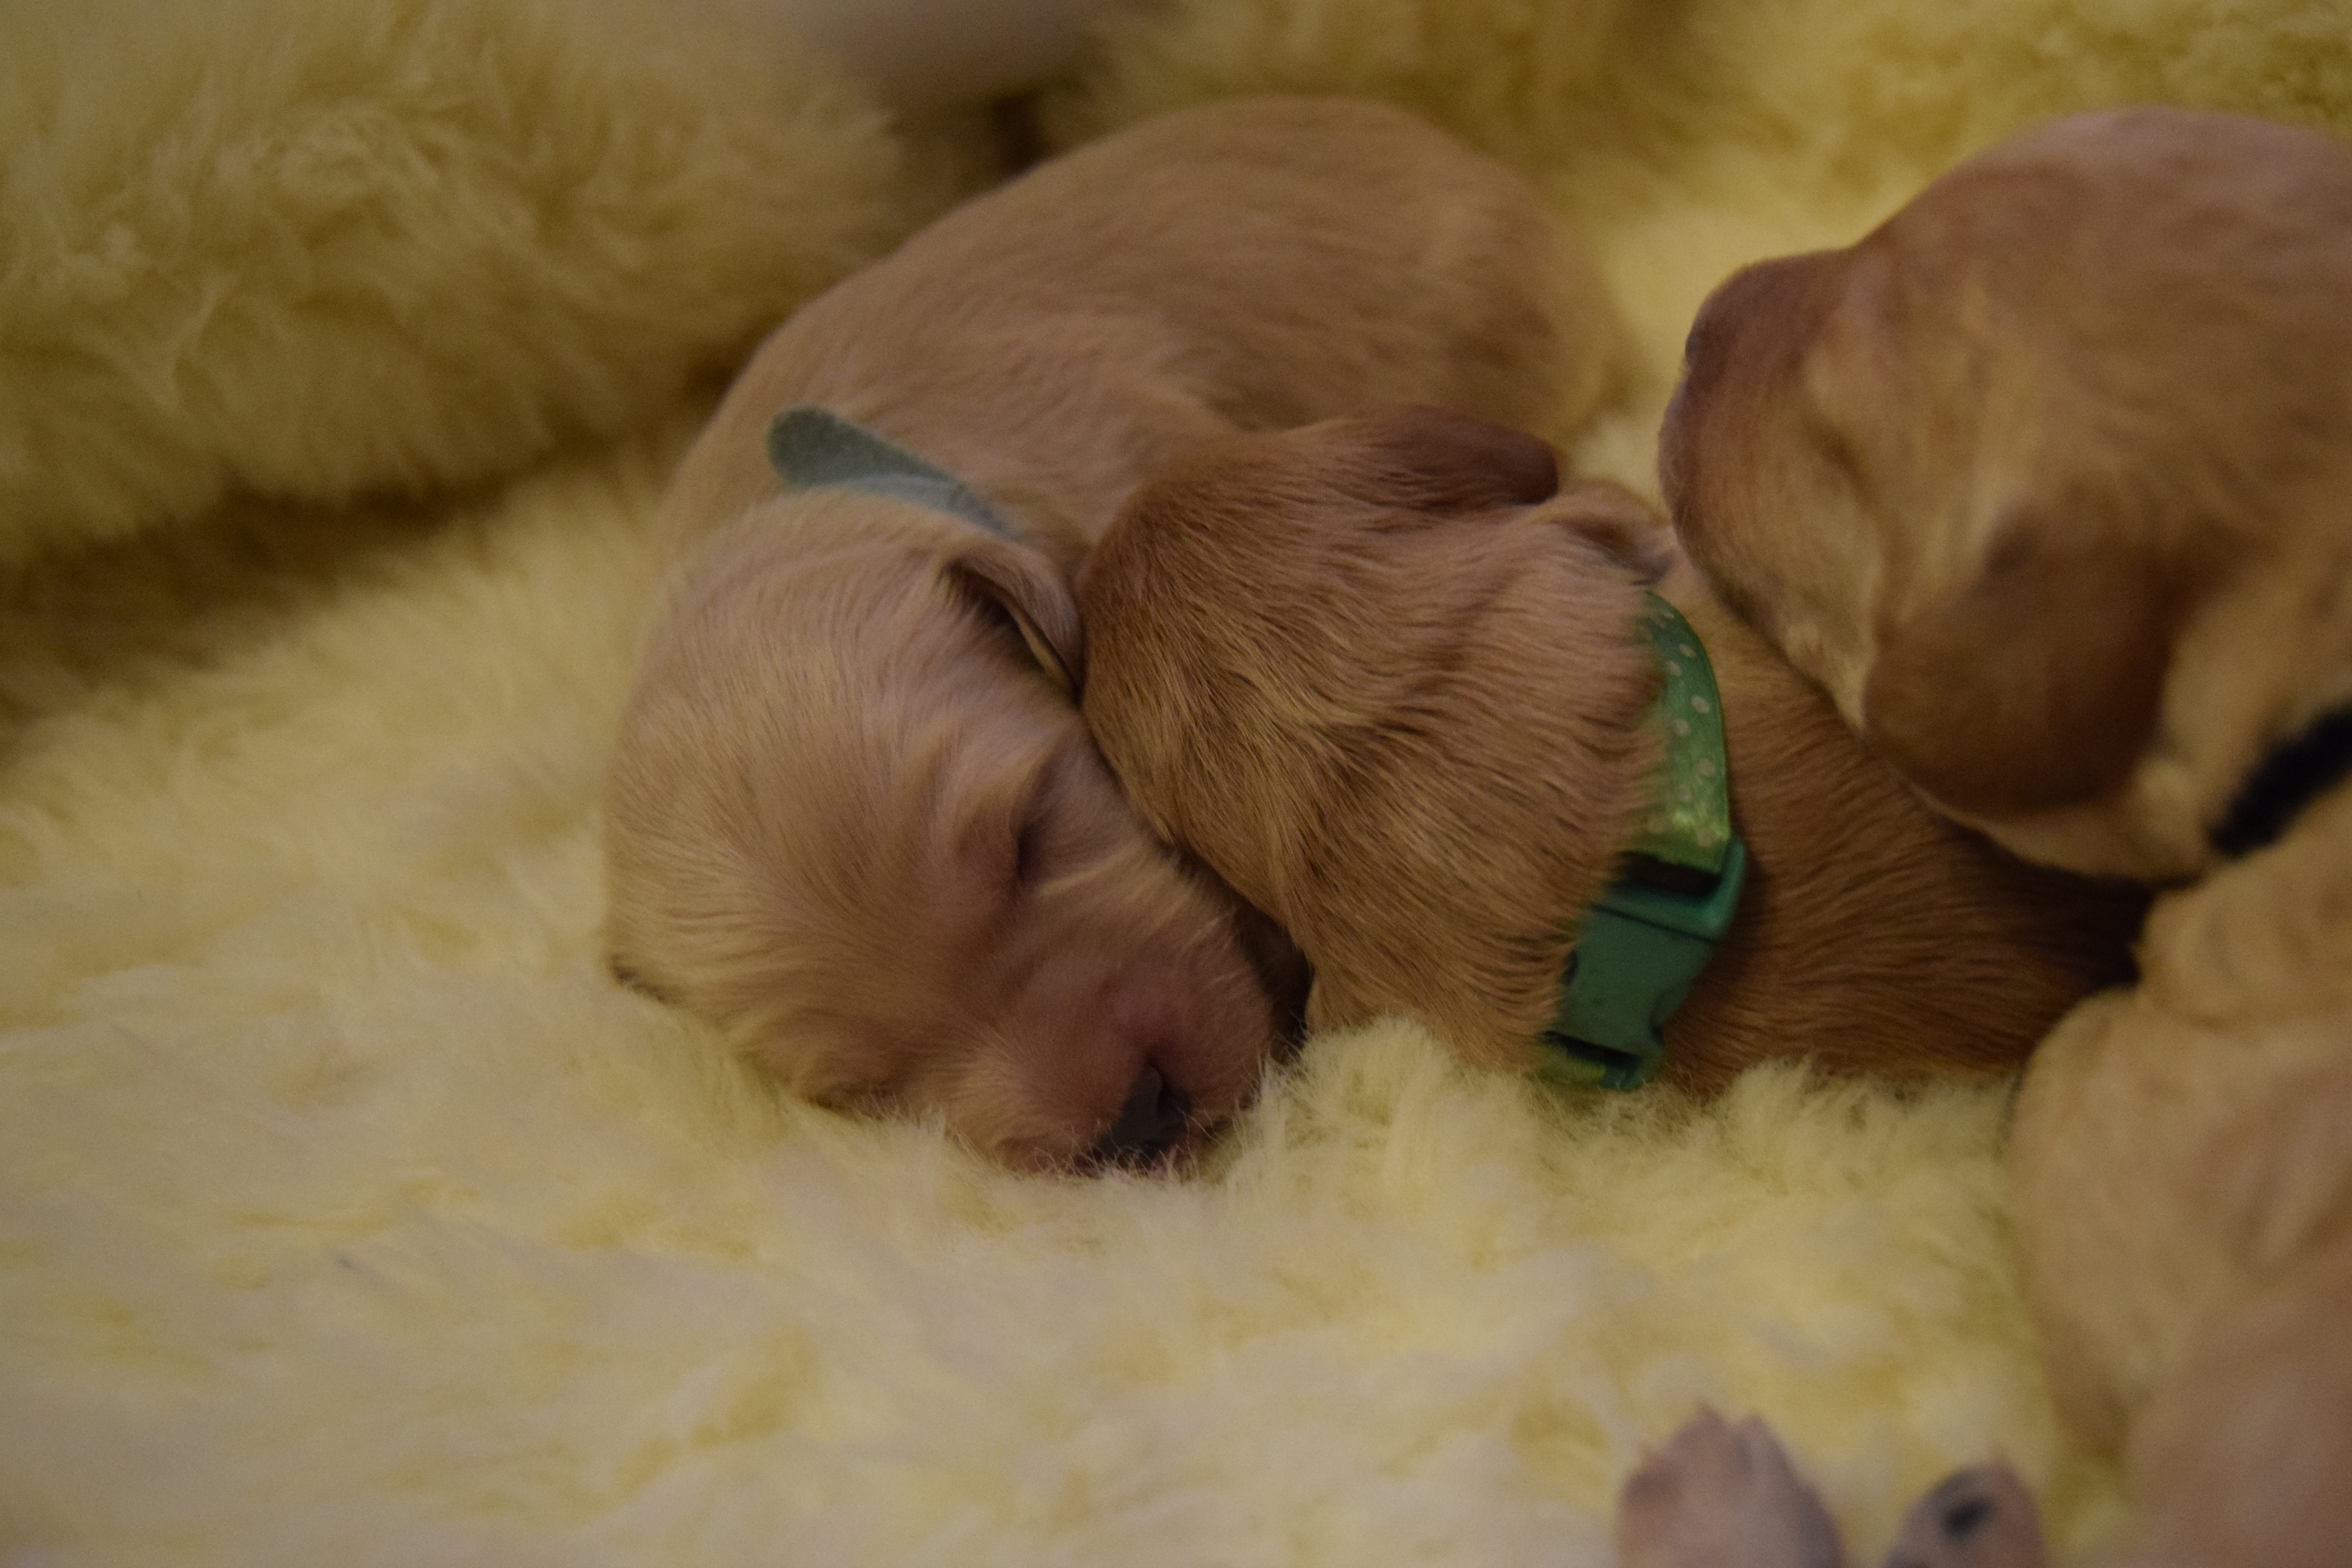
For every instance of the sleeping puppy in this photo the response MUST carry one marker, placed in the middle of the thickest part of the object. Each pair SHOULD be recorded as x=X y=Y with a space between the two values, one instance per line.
x=1394 y=690
x=2048 y=481
x=854 y=819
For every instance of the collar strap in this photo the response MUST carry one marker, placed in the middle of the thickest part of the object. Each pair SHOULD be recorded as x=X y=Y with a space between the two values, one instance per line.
x=2296 y=772
x=815 y=448
x=1649 y=936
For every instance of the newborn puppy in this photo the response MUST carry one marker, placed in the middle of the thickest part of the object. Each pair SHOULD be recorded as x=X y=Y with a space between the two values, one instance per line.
x=1391 y=688
x=854 y=819
x=2049 y=482
x=2077 y=410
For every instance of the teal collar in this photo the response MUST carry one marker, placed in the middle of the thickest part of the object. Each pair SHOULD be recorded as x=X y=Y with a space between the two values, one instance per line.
x=814 y=448
x=1654 y=929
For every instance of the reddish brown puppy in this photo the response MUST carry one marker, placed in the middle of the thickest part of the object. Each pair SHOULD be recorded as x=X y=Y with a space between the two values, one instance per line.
x=1391 y=687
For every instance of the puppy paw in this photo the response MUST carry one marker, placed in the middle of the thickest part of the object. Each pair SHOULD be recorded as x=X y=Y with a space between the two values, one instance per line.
x=1722 y=1496
x=1980 y=1518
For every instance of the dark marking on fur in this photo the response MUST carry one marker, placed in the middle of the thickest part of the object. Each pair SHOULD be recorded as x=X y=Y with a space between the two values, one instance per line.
x=2296 y=772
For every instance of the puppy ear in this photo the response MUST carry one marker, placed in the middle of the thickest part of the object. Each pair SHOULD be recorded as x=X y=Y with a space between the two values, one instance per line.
x=1022 y=586
x=2035 y=687
x=1447 y=462
x=1620 y=521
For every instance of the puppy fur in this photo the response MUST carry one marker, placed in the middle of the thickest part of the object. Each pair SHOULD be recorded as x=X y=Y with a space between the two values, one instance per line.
x=854 y=819
x=2046 y=481
x=1390 y=686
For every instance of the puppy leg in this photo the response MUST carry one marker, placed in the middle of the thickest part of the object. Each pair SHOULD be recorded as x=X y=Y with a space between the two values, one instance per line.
x=2244 y=1455
x=1980 y=1518
x=1720 y=1496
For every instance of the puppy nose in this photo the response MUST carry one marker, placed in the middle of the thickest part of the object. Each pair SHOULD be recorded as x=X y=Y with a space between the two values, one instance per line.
x=1149 y=1122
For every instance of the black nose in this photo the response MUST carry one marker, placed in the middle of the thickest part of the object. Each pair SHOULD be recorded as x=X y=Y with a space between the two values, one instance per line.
x=1150 y=1121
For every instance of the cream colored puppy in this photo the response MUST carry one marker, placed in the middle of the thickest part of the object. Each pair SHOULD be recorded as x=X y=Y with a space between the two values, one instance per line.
x=2049 y=481
x=854 y=820
x=1396 y=692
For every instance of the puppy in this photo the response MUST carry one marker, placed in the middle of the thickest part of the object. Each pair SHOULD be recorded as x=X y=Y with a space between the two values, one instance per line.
x=2048 y=481
x=854 y=819
x=1391 y=687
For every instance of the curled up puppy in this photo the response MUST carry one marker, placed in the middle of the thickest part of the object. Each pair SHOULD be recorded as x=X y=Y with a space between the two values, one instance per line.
x=1403 y=693
x=854 y=819
x=2048 y=481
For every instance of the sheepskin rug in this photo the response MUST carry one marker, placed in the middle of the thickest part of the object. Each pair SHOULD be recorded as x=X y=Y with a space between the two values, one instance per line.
x=348 y=1215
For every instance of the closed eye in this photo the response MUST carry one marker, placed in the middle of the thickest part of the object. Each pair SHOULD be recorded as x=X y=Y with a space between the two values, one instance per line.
x=1038 y=846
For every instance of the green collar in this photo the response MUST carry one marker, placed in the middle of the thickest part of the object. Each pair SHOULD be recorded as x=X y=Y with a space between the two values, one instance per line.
x=814 y=448
x=1655 y=927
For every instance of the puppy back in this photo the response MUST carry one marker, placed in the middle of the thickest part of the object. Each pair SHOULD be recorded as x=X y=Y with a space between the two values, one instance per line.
x=1249 y=265
x=1875 y=936
x=1393 y=703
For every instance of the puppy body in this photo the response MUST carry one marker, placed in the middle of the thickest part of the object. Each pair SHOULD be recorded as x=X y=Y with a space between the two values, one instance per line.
x=1876 y=936
x=2046 y=481
x=855 y=818
x=2182 y=1155
x=1391 y=688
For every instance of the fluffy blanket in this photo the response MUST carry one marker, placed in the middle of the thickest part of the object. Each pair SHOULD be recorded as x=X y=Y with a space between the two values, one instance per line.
x=348 y=1214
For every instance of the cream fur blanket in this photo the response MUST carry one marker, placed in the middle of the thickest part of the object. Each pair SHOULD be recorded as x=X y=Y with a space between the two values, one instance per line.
x=348 y=1215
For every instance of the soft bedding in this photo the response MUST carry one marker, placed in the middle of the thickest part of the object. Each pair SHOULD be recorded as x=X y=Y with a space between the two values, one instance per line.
x=347 y=1212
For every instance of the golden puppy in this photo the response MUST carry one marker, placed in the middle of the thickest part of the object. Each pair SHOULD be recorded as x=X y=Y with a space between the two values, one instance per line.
x=1391 y=688
x=854 y=820
x=2048 y=480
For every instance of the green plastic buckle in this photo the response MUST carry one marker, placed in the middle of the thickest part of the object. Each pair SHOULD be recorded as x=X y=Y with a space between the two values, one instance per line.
x=1650 y=934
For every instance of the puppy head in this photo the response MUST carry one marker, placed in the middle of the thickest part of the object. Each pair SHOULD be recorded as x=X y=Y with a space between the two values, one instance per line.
x=1385 y=682
x=856 y=821
x=2042 y=480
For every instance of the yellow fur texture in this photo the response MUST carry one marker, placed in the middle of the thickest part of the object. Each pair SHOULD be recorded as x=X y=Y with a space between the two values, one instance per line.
x=315 y=250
